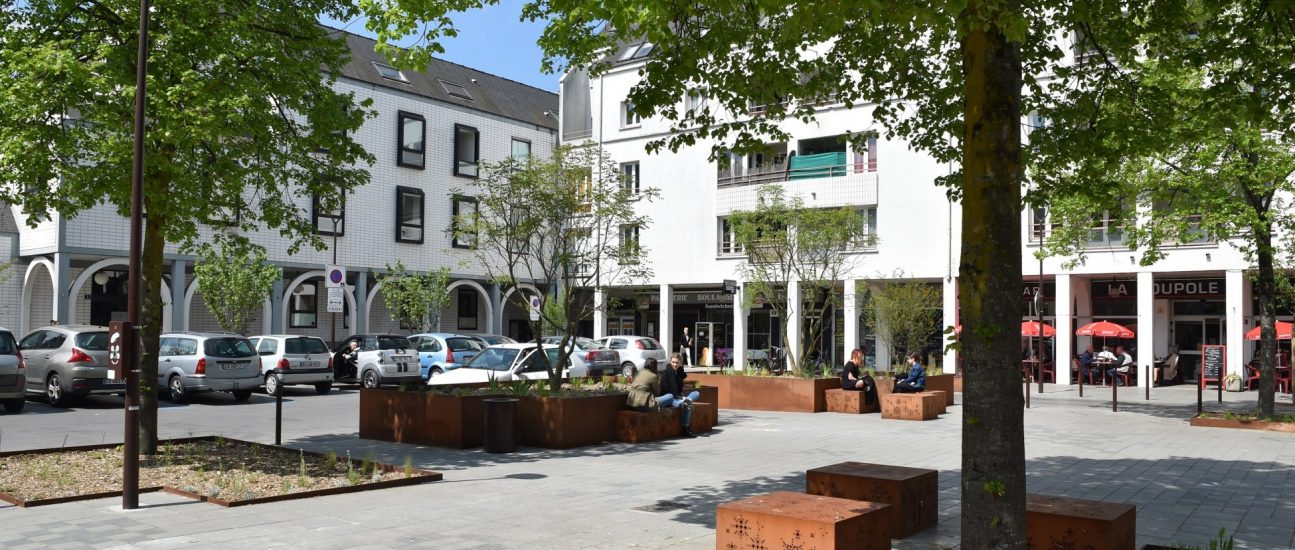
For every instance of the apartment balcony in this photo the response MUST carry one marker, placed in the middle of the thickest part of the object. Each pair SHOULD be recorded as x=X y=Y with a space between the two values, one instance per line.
x=820 y=184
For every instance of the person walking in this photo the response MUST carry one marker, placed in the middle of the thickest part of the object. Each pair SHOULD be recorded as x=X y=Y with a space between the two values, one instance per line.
x=685 y=347
x=916 y=379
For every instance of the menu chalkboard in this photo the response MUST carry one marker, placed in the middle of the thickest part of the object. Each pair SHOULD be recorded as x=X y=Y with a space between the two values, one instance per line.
x=1212 y=364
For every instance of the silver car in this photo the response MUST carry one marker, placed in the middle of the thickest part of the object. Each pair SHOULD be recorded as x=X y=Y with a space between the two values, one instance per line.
x=634 y=350
x=13 y=374
x=287 y=360
x=67 y=362
x=193 y=362
x=600 y=360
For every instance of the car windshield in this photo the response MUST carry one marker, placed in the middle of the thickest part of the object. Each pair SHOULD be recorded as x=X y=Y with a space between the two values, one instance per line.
x=394 y=342
x=495 y=340
x=649 y=343
x=497 y=359
x=92 y=341
x=7 y=344
x=303 y=346
x=463 y=344
x=227 y=347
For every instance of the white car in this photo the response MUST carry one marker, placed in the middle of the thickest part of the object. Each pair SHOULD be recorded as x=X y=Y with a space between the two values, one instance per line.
x=634 y=351
x=288 y=360
x=377 y=359
x=506 y=363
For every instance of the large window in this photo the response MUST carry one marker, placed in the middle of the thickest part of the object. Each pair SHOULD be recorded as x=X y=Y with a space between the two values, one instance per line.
x=328 y=220
x=467 y=310
x=630 y=248
x=463 y=220
x=630 y=177
x=1107 y=230
x=303 y=307
x=409 y=215
x=521 y=149
x=728 y=244
x=466 y=151
x=413 y=129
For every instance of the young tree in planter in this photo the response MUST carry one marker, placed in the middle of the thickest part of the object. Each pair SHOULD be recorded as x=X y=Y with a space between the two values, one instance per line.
x=902 y=312
x=567 y=224
x=786 y=241
x=234 y=282
x=415 y=300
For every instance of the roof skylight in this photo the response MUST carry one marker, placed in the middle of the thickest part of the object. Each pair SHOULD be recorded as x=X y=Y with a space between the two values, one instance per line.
x=390 y=73
x=456 y=90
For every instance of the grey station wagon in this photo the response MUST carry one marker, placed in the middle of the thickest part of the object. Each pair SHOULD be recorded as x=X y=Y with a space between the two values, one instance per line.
x=193 y=362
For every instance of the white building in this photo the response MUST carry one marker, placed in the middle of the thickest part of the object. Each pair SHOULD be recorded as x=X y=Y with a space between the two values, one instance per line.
x=1197 y=295
x=433 y=131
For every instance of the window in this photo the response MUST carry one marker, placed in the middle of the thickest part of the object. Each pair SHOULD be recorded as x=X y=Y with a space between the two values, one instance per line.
x=636 y=51
x=413 y=129
x=629 y=118
x=868 y=231
x=1041 y=224
x=866 y=160
x=329 y=221
x=227 y=216
x=267 y=346
x=630 y=249
x=585 y=188
x=695 y=101
x=728 y=244
x=409 y=215
x=466 y=151
x=521 y=149
x=1107 y=230
x=630 y=177
x=467 y=310
x=455 y=90
x=303 y=308
x=390 y=73
x=463 y=222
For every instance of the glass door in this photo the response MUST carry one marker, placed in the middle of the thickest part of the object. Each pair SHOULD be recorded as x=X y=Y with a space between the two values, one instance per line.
x=1189 y=334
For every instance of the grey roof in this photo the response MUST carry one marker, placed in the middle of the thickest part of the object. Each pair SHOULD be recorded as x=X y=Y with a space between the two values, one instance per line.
x=490 y=93
x=7 y=222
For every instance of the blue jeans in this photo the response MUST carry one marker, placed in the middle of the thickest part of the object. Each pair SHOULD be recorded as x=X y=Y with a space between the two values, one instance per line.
x=668 y=401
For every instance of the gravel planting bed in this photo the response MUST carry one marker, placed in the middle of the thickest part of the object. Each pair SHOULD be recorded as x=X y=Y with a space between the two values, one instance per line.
x=216 y=468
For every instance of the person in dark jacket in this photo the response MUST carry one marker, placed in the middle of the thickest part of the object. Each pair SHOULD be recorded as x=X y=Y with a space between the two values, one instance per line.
x=853 y=380
x=672 y=378
x=916 y=379
x=672 y=387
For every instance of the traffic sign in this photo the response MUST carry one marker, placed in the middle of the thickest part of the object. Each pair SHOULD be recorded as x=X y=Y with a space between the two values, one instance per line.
x=334 y=276
x=535 y=308
x=335 y=298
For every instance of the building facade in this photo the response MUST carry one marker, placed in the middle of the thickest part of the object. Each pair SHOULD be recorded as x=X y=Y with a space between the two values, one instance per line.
x=1198 y=295
x=432 y=133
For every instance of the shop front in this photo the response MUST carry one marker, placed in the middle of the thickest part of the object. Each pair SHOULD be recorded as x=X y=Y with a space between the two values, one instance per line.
x=1188 y=314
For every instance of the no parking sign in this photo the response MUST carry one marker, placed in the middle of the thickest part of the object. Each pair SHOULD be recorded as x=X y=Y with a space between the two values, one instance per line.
x=334 y=276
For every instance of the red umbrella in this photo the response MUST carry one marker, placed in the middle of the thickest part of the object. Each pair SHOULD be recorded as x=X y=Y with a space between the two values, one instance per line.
x=1028 y=328
x=1104 y=329
x=1283 y=331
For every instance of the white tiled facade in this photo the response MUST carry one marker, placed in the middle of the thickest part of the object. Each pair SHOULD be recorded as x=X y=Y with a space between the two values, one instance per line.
x=918 y=232
x=63 y=248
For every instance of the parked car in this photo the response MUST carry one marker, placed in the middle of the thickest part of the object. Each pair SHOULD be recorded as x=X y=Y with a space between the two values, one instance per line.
x=440 y=352
x=288 y=360
x=194 y=362
x=13 y=374
x=596 y=356
x=505 y=363
x=634 y=350
x=67 y=362
x=494 y=339
x=378 y=359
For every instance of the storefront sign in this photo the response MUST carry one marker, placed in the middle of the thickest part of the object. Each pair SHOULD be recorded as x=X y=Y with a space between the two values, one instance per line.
x=1030 y=288
x=1166 y=288
x=695 y=298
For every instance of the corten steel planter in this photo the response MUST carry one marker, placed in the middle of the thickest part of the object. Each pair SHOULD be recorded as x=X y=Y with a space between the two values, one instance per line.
x=709 y=394
x=761 y=393
x=944 y=383
x=957 y=383
x=1242 y=424
x=422 y=418
x=568 y=422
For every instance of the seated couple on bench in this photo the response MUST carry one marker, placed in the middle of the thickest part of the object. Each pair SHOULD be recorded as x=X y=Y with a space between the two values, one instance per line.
x=650 y=392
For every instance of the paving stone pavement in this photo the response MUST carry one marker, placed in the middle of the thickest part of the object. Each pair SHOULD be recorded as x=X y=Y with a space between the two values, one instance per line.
x=1186 y=482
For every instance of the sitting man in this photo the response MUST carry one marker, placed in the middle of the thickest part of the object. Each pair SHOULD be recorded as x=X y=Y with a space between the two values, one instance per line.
x=1086 y=362
x=1121 y=364
x=916 y=380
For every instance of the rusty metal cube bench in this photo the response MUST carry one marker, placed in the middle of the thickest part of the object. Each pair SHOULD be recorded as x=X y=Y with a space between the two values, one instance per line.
x=944 y=405
x=911 y=406
x=641 y=427
x=795 y=520
x=1062 y=522
x=912 y=493
x=850 y=401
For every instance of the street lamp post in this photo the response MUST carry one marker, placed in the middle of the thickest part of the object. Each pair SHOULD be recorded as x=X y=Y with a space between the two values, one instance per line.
x=333 y=314
x=130 y=437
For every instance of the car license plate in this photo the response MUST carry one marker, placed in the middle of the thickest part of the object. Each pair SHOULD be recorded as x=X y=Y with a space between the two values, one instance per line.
x=114 y=381
x=232 y=366
x=309 y=364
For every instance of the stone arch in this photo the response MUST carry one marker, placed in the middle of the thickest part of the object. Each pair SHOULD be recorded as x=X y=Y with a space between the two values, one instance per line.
x=347 y=292
x=24 y=318
x=75 y=290
x=485 y=299
x=523 y=286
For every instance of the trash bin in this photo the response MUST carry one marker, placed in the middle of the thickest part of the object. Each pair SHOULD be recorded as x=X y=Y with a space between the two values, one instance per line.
x=500 y=425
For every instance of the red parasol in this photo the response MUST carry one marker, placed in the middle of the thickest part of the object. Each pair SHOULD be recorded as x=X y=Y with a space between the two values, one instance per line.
x=1105 y=329
x=1028 y=328
x=1283 y=331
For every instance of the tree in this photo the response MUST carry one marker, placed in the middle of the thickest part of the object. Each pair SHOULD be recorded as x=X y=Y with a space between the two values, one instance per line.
x=902 y=312
x=415 y=299
x=234 y=282
x=244 y=125
x=568 y=224
x=787 y=241
x=1178 y=132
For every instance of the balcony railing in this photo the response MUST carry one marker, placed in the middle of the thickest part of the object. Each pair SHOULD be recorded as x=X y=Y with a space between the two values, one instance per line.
x=780 y=172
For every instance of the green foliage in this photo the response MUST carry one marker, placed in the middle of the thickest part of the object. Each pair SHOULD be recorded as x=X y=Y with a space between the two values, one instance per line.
x=234 y=281
x=409 y=466
x=903 y=312
x=786 y=240
x=415 y=300
x=996 y=488
x=519 y=388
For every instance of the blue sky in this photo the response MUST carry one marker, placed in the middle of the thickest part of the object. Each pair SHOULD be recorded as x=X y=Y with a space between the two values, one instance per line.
x=491 y=39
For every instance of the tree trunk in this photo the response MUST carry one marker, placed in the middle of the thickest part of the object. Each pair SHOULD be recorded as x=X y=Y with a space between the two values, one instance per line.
x=151 y=329
x=993 y=441
x=1266 y=292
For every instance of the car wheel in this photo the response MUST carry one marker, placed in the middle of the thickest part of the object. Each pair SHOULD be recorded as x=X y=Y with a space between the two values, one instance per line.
x=175 y=387
x=370 y=379
x=323 y=387
x=627 y=369
x=436 y=371
x=272 y=385
x=242 y=395
x=54 y=391
x=14 y=406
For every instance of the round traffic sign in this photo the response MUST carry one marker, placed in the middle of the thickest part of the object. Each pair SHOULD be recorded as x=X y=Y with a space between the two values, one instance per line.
x=336 y=276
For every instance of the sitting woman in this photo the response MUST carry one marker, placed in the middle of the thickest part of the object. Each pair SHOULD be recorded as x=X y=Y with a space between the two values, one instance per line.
x=916 y=379
x=672 y=387
x=852 y=380
x=645 y=394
